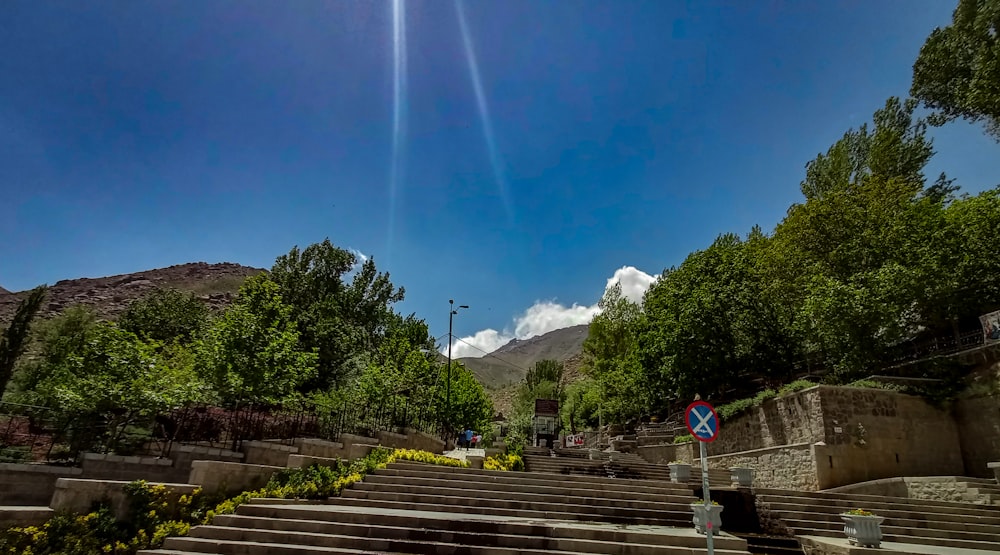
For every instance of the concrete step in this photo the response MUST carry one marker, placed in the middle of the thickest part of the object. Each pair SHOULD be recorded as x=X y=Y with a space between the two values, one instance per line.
x=663 y=518
x=331 y=529
x=528 y=497
x=987 y=546
x=875 y=503
x=916 y=521
x=427 y=470
x=457 y=531
x=188 y=545
x=902 y=529
x=488 y=488
x=360 y=517
x=665 y=513
x=889 y=511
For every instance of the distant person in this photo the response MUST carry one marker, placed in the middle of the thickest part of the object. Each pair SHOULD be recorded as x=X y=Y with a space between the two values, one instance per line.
x=475 y=439
x=468 y=437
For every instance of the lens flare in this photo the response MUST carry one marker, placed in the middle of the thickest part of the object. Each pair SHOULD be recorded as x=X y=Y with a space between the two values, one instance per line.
x=484 y=113
x=399 y=108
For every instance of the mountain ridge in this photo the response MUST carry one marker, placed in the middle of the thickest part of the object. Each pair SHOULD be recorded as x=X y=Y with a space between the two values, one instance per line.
x=510 y=363
x=214 y=283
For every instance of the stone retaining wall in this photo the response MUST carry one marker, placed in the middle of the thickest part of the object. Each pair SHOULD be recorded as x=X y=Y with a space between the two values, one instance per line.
x=668 y=453
x=932 y=488
x=312 y=447
x=784 y=467
x=99 y=466
x=229 y=477
x=978 y=420
x=78 y=495
x=31 y=484
x=267 y=453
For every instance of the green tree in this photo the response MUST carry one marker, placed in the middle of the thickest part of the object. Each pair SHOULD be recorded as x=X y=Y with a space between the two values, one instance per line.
x=896 y=148
x=112 y=380
x=611 y=357
x=165 y=315
x=470 y=405
x=14 y=340
x=58 y=339
x=339 y=320
x=251 y=353
x=958 y=70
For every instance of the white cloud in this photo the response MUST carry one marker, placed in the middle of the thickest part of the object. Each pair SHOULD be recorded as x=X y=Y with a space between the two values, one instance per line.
x=634 y=282
x=545 y=316
x=362 y=257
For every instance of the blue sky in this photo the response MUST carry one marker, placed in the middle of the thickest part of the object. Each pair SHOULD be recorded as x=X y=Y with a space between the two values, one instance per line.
x=136 y=135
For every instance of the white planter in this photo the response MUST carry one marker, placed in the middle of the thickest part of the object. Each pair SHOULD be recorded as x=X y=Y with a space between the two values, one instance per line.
x=742 y=476
x=714 y=512
x=864 y=531
x=680 y=473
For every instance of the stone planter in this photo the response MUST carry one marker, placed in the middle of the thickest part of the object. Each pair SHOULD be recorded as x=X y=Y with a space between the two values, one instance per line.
x=680 y=473
x=863 y=531
x=742 y=476
x=713 y=512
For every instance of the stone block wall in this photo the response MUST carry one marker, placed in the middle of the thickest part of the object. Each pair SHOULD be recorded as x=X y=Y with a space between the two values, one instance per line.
x=78 y=495
x=872 y=434
x=795 y=418
x=667 y=453
x=931 y=488
x=31 y=484
x=312 y=447
x=784 y=467
x=184 y=455
x=229 y=477
x=116 y=467
x=267 y=453
x=425 y=442
x=978 y=421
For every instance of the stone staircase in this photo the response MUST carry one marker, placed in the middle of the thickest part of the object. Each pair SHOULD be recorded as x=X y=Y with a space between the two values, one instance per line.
x=417 y=508
x=982 y=491
x=660 y=433
x=913 y=521
x=578 y=462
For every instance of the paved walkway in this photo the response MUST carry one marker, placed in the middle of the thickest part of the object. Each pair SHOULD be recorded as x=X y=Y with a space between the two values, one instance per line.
x=840 y=546
x=461 y=454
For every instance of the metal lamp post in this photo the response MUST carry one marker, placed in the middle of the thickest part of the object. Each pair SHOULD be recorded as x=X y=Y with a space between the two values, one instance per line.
x=451 y=315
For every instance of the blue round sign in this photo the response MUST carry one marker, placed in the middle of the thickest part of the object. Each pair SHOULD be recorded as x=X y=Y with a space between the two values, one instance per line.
x=702 y=421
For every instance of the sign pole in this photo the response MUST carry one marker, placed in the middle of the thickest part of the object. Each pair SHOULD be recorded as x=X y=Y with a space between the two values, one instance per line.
x=703 y=423
x=708 y=498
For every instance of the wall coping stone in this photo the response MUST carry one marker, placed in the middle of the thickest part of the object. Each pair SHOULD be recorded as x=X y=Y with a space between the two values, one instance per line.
x=153 y=461
x=40 y=468
x=762 y=451
x=318 y=441
x=271 y=446
x=211 y=451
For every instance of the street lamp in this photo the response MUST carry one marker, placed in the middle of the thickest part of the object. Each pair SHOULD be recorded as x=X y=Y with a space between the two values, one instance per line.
x=451 y=315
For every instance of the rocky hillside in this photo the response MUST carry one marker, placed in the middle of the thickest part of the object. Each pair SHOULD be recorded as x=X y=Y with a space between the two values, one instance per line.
x=216 y=284
x=509 y=364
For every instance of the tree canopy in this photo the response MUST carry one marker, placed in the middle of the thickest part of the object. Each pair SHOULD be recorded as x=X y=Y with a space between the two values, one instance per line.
x=958 y=71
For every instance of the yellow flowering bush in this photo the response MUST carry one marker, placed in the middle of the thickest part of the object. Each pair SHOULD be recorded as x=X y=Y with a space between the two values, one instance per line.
x=505 y=463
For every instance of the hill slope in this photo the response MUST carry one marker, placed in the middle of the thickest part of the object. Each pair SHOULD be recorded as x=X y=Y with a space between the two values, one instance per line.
x=509 y=364
x=216 y=284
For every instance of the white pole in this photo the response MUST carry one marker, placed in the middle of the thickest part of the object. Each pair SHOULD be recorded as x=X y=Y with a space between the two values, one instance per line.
x=708 y=498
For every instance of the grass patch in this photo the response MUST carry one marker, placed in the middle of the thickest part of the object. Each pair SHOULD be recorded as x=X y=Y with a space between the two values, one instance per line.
x=740 y=406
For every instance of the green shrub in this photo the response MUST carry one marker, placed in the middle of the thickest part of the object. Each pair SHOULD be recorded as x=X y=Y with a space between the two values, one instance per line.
x=797 y=385
x=684 y=438
x=504 y=463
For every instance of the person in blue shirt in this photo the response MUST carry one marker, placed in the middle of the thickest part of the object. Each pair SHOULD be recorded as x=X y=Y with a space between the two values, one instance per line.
x=468 y=437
